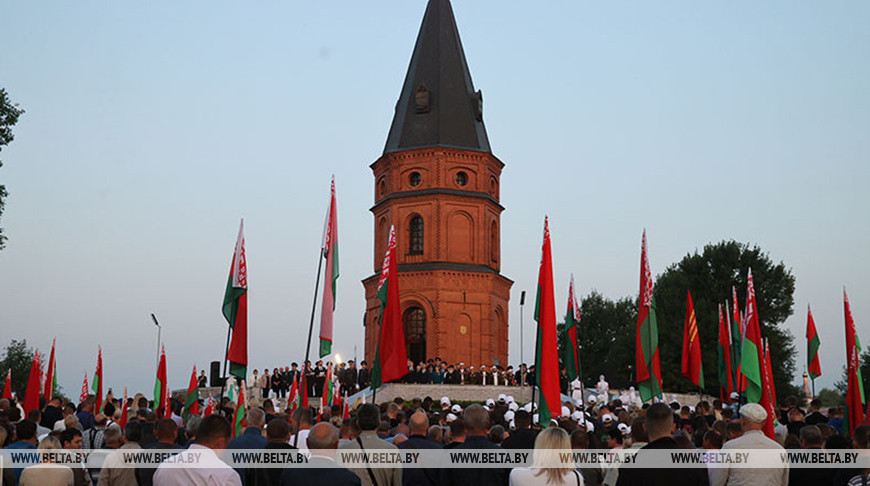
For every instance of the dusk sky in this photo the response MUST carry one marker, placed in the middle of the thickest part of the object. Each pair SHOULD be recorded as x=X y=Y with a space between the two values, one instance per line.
x=151 y=128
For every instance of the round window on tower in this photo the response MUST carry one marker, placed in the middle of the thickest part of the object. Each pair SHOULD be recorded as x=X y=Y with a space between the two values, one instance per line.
x=461 y=178
x=415 y=179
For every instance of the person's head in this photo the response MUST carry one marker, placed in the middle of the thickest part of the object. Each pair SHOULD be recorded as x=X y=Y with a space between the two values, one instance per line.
x=302 y=416
x=795 y=415
x=369 y=416
x=752 y=416
x=712 y=440
x=436 y=433
x=457 y=430
x=815 y=404
x=112 y=438
x=522 y=419
x=256 y=418
x=550 y=444
x=166 y=431
x=278 y=431
x=579 y=439
x=496 y=434
x=419 y=423
x=50 y=442
x=859 y=437
x=733 y=430
x=214 y=432
x=133 y=432
x=613 y=438
x=476 y=420
x=811 y=437
x=323 y=437
x=68 y=409
x=71 y=439
x=34 y=416
x=659 y=421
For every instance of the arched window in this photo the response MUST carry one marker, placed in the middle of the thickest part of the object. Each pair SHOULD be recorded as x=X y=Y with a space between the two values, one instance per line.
x=415 y=233
x=414 y=323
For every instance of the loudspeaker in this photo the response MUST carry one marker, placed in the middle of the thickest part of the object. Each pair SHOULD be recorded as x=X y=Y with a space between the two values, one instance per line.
x=215 y=376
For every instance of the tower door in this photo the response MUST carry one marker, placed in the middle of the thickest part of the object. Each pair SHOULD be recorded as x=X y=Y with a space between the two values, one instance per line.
x=414 y=321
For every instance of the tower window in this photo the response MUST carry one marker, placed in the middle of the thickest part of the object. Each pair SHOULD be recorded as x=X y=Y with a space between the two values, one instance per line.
x=421 y=99
x=461 y=178
x=415 y=233
x=415 y=179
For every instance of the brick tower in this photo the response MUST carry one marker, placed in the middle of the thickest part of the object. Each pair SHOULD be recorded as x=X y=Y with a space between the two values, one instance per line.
x=437 y=182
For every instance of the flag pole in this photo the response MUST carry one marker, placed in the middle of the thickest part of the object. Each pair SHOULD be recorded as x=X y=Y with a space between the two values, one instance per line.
x=225 y=377
x=310 y=331
x=377 y=345
x=582 y=386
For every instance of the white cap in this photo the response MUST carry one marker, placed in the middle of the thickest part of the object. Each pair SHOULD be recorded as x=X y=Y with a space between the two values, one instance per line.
x=735 y=396
x=513 y=425
x=622 y=427
x=502 y=398
x=591 y=399
x=577 y=415
x=607 y=418
x=753 y=412
x=528 y=407
x=510 y=399
x=590 y=427
x=450 y=417
x=535 y=418
x=512 y=406
x=508 y=416
x=692 y=408
x=456 y=409
x=445 y=401
x=565 y=411
x=490 y=402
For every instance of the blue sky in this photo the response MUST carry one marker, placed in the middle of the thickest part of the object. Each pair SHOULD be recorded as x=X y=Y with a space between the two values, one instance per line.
x=152 y=127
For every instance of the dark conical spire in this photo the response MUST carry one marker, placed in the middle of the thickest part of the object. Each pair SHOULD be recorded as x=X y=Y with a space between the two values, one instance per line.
x=438 y=105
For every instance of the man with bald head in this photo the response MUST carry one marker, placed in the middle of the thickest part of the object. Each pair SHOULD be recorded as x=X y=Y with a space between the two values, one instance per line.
x=752 y=418
x=477 y=437
x=322 y=470
x=413 y=476
x=251 y=438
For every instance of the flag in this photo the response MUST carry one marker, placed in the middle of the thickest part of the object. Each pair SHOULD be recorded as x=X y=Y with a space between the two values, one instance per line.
x=293 y=401
x=328 y=389
x=391 y=357
x=209 y=407
x=345 y=408
x=123 y=421
x=167 y=404
x=753 y=352
x=160 y=383
x=726 y=382
x=191 y=402
x=330 y=252
x=239 y=414
x=7 y=387
x=691 y=365
x=235 y=308
x=736 y=340
x=546 y=352
x=860 y=375
x=33 y=391
x=814 y=368
x=571 y=359
x=770 y=381
x=854 y=415
x=97 y=383
x=647 y=361
x=50 y=375
x=84 y=394
x=768 y=395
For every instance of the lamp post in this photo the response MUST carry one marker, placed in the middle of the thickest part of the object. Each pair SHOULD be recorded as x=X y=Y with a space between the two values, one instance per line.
x=522 y=303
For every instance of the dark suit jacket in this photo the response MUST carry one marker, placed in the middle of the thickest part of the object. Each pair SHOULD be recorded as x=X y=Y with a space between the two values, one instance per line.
x=319 y=476
x=257 y=476
x=251 y=438
x=635 y=476
x=418 y=476
x=521 y=439
x=475 y=477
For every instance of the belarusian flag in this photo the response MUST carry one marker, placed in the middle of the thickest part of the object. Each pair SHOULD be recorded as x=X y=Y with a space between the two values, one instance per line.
x=209 y=407
x=814 y=368
x=191 y=402
x=294 y=399
x=767 y=363
x=235 y=308
x=345 y=408
x=84 y=394
x=97 y=383
x=726 y=383
x=571 y=359
x=239 y=414
x=546 y=352
x=768 y=395
x=123 y=421
x=50 y=375
x=647 y=361
x=303 y=391
x=854 y=415
x=330 y=252
x=736 y=341
x=160 y=384
x=691 y=364
x=750 y=365
x=31 y=394
x=860 y=374
x=7 y=387
x=391 y=357
x=328 y=389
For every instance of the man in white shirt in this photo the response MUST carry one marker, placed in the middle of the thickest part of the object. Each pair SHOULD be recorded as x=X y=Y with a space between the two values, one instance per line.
x=752 y=417
x=201 y=465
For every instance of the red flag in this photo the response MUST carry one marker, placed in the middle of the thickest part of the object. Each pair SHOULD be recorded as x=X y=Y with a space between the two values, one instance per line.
x=691 y=365
x=49 y=375
x=726 y=382
x=31 y=395
x=293 y=402
x=160 y=391
x=345 y=408
x=854 y=409
x=235 y=308
x=547 y=354
x=330 y=253
x=191 y=402
x=239 y=414
x=391 y=359
x=304 y=386
x=770 y=382
x=97 y=384
x=768 y=395
x=7 y=387
x=84 y=394
x=813 y=366
x=123 y=421
x=209 y=407
x=647 y=359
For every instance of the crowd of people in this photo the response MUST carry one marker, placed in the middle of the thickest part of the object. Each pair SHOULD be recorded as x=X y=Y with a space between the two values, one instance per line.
x=500 y=423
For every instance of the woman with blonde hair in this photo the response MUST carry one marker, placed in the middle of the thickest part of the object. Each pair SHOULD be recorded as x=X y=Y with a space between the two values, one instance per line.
x=548 y=467
x=46 y=473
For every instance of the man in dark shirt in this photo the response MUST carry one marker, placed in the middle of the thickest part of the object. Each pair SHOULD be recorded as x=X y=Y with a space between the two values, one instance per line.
x=365 y=375
x=414 y=476
x=523 y=437
x=815 y=417
x=477 y=424
x=278 y=437
x=167 y=432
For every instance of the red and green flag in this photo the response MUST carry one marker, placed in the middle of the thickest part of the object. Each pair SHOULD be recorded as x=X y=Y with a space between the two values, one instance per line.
x=7 y=387
x=191 y=402
x=294 y=400
x=330 y=253
x=239 y=414
x=31 y=394
x=691 y=363
x=770 y=381
x=647 y=360
x=209 y=407
x=753 y=352
x=160 y=390
x=814 y=368
x=97 y=383
x=123 y=420
x=854 y=410
x=84 y=393
x=768 y=394
x=726 y=378
x=235 y=308
x=391 y=357
x=328 y=394
x=50 y=375
x=546 y=352
x=571 y=359
x=736 y=327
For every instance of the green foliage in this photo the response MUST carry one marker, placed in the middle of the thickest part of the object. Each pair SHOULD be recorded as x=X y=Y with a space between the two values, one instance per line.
x=18 y=356
x=710 y=275
x=606 y=338
x=9 y=114
x=831 y=398
x=864 y=360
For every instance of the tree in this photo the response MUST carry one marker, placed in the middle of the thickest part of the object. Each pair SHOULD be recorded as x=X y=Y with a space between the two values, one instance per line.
x=710 y=276
x=18 y=356
x=606 y=337
x=830 y=398
x=864 y=363
x=9 y=114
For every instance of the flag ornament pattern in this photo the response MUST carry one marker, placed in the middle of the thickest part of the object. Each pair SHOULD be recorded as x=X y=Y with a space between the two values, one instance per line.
x=854 y=415
x=571 y=359
x=97 y=383
x=33 y=391
x=752 y=353
x=726 y=378
x=330 y=253
x=814 y=368
x=84 y=394
x=50 y=375
x=160 y=390
x=391 y=356
x=546 y=352
x=691 y=363
x=647 y=360
x=235 y=308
